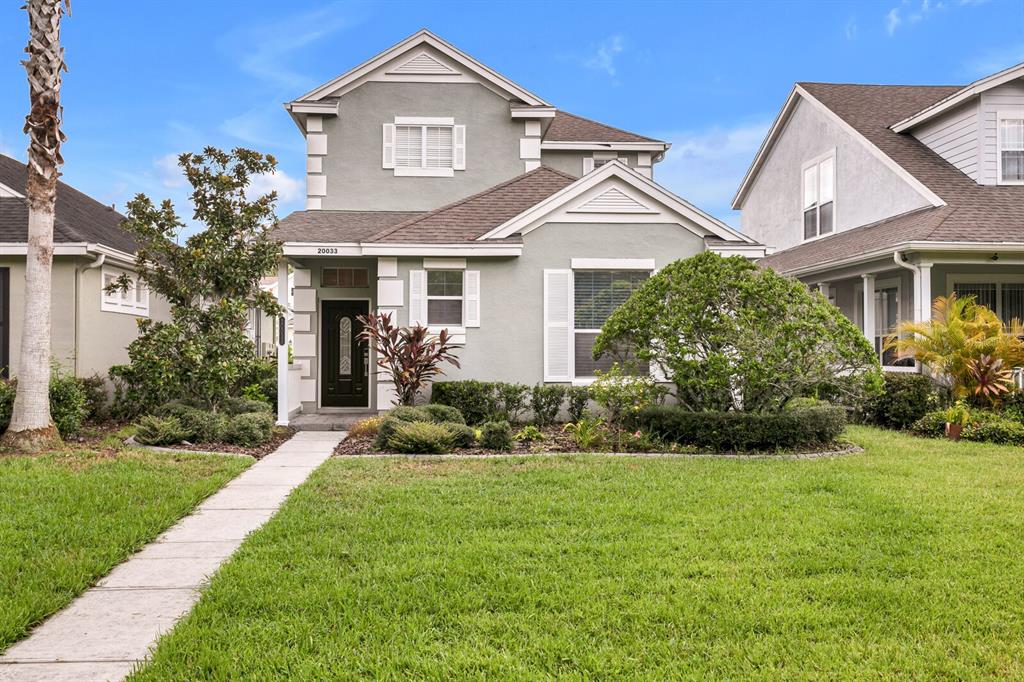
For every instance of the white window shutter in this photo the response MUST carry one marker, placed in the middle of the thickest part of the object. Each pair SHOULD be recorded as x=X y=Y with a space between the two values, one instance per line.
x=588 y=164
x=388 y=150
x=558 y=325
x=472 y=299
x=418 y=298
x=459 y=148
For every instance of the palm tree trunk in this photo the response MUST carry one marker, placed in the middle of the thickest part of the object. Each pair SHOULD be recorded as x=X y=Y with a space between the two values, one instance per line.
x=31 y=428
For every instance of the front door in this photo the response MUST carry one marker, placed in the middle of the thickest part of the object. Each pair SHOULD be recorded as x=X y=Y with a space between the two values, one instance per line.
x=344 y=360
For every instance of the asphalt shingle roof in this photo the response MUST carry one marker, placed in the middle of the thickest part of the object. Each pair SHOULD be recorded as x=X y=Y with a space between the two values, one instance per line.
x=337 y=226
x=79 y=217
x=566 y=127
x=973 y=212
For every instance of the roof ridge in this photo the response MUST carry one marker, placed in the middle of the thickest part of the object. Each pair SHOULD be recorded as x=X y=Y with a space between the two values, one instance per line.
x=590 y=120
x=483 y=193
x=882 y=85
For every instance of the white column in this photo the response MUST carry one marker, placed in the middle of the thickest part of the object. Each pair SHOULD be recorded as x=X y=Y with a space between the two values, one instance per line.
x=869 y=307
x=282 y=345
x=924 y=304
x=824 y=288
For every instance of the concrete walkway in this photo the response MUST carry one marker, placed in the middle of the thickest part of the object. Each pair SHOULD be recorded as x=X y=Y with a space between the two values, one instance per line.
x=110 y=628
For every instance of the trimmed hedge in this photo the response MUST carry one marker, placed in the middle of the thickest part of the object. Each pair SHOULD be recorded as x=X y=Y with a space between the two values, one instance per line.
x=905 y=399
x=983 y=426
x=496 y=435
x=742 y=431
x=476 y=400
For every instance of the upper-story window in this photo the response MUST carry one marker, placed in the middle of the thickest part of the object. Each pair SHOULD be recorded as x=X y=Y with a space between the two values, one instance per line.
x=1011 y=148
x=425 y=146
x=819 y=191
x=134 y=300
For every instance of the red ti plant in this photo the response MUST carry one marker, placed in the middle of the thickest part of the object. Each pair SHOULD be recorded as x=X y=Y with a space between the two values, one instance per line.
x=411 y=356
x=989 y=378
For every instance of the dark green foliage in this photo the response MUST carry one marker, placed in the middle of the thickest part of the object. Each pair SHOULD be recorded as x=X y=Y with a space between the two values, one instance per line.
x=512 y=399
x=407 y=413
x=153 y=430
x=463 y=436
x=245 y=405
x=422 y=438
x=261 y=382
x=983 y=426
x=732 y=336
x=546 y=402
x=96 y=398
x=203 y=426
x=932 y=424
x=578 y=397
x=403 y=414
x=211 y=281
x=744 y=431
x=68 y=406
x=904 y=399
x=476 y=400
x=8 y=389
x=443 y=413
x=249 y=429
x=496 y=435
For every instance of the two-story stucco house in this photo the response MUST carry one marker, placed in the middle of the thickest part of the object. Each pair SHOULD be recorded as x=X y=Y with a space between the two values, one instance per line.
x=444 y=193
x=886 y=196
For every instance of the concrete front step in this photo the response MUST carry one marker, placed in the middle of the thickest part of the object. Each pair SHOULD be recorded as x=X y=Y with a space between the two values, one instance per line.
x=328 y=421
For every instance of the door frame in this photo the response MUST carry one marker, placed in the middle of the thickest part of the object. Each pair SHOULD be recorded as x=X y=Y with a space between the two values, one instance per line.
x=5 y=311
x=371 y=384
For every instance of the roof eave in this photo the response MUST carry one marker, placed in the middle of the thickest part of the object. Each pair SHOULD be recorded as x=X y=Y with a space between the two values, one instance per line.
x=959 y=97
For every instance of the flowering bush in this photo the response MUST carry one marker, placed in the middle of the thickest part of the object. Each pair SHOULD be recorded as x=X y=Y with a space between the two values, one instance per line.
x=623 y=394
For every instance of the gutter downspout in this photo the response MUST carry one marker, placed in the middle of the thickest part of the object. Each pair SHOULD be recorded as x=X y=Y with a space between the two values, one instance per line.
x=897 y=257
x=98 y=261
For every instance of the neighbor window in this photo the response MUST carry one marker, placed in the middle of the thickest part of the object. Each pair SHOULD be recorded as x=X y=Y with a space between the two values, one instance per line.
x=1003 y=296
x=355 y=278
x=424 y=146
x=1011 y=149
x=134 y=300
x=444 y=298
x=819 y=196
x=596 y=294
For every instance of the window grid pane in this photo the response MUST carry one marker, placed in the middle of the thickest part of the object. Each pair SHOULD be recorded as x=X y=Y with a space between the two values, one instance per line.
x=599 y=292
x=1013 y=301
x=444 y=311
x=439 y=147
x=984 y=293
x=409 y=146
x=810 y=186
x=444 y=283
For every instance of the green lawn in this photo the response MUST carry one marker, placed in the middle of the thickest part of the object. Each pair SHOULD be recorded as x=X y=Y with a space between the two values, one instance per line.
x=66 y=518
x=905 y=561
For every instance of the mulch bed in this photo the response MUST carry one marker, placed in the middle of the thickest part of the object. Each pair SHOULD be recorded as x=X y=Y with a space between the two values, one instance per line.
x=281 y=434
x=554 y=441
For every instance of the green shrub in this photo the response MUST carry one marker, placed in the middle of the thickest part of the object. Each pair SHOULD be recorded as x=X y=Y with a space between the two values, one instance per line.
x=96 y=399
x=578 y=397
x=233 y=406
x=249 y=429
x=528 y=434
x=742 y=431
x=998 y=430
x=443 y=413
x=904 y=400
x=476 y=400
x=153 y=430
x=427 y=438
x=932 y=424
x=513 y=399
x=622 y=394
x=68 y=406
x=8 y=389
x=588 y=434
x=546 y=402
x=496 y=435
x=403 y=414
x=463 y=436
x=202 y=426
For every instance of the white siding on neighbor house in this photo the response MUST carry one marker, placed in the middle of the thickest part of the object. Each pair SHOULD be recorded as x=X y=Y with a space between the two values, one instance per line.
x=954 y=137
x=1008 y=97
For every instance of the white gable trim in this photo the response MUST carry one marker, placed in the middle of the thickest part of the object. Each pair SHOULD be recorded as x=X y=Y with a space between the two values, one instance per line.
x=779 y=125
x=697 y=221
x=962 y=95
x=613 y=200
x=423 y=64
x=9 y=192
x=424 y=37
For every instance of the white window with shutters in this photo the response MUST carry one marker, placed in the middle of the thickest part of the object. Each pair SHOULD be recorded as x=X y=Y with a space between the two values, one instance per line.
x=444 y=298
x=425 y=147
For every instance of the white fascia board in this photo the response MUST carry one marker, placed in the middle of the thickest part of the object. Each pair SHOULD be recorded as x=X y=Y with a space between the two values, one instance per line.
x=424 y=36
x=335 y=249
x=319 y=108
x=984 y=247
x=612 y=264
x=646 y=186
x=754 y=251
x=533 y=112
x=9 y=192
x=71 y=249
x=611 y=146
x=960 y=96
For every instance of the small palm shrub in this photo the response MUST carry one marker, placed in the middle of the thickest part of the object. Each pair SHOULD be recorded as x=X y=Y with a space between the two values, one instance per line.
x=528 y=434
x=250 y=429
x=578 y=397
x=421 y=438
x=153 y=430
x=496 y=435
x=588 y=434
x=546 y=402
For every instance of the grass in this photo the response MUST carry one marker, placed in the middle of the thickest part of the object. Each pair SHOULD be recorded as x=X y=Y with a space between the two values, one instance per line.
x=68 y=517
x=904 y=561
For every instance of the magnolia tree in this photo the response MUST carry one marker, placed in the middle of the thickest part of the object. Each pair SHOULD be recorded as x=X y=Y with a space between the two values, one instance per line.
x=732 y=336
x=410 y=356
x=211 y=281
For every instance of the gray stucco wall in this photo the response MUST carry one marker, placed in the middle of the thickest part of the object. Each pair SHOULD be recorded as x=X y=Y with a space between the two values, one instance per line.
x=866 y=190
x=355 y=179
x=572 y=162
x=78 y=325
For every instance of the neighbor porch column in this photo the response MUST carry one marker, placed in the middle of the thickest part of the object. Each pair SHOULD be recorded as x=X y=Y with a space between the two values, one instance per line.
x=281 y=332
x=869 y=307
x=924 y=305
x=824 y=288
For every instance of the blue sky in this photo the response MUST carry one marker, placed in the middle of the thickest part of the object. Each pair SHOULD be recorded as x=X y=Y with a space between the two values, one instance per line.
x=150 y=80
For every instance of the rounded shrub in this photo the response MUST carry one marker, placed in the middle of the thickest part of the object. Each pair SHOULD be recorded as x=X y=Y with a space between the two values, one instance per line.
x=421 y=438
x=546 y=403
x=68 y=404
x=904 y=399
x=442 y=413
x=202 y=426
x=496 y=435
x=477 y=401
x=235 y=406
x=463 y=436
x=249 y=429
x=743 y=431
x=999 y=430
x=365 y=427
x=153 y=430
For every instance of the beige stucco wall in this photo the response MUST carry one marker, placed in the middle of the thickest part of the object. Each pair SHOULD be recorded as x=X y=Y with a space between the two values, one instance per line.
x=84 y=339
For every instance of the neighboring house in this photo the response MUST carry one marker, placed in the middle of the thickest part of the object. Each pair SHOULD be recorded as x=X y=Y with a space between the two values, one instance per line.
x=886 y=196
x=90 y=328
x=262 y=328
x=447 y=195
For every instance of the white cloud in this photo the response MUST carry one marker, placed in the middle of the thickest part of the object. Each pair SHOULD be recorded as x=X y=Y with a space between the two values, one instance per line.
x=288 y=188
x=604 y=58
x=892 y=20
x=851 y=28
x=705 y=167
x=168 y=171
